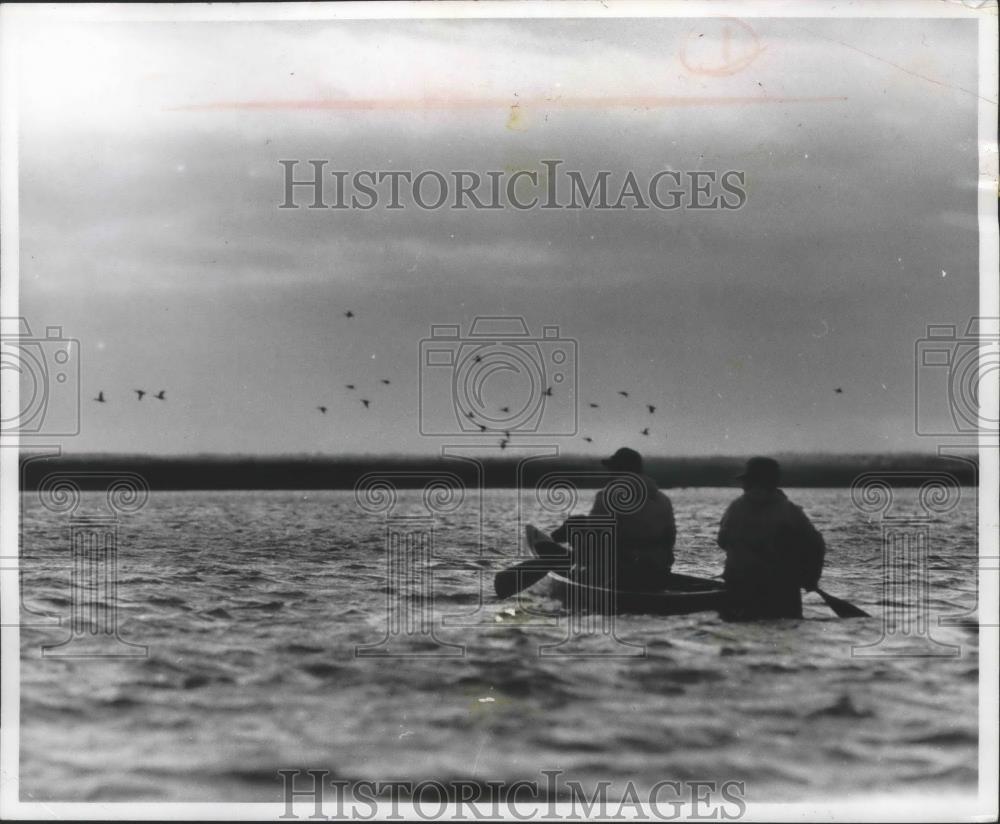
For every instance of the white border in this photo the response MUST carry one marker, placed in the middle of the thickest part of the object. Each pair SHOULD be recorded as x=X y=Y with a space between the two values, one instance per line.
x=10 y=499
x=989 y=467
x=873 y=808
x=503 y=9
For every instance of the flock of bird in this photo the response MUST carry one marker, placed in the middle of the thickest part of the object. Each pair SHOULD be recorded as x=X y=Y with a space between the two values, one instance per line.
x=548 y=392
x=366 y=402
x=645 y=431
x=140 y=394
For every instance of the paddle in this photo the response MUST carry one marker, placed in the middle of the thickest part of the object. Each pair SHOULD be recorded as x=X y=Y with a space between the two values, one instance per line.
x=843 y=608
x=521 y=576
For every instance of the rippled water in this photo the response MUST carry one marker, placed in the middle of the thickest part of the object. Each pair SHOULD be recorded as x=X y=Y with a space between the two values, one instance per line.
x=252 y=605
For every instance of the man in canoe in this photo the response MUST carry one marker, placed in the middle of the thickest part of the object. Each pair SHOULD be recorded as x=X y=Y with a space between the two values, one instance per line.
x=645 y=537
x=772 y=549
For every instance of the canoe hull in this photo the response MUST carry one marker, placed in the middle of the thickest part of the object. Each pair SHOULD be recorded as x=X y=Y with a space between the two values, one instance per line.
x=580 y=597
x=685 y=594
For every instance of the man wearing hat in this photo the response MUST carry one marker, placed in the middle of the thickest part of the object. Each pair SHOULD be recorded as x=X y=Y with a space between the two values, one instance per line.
x=772 y=549
x=645 y=536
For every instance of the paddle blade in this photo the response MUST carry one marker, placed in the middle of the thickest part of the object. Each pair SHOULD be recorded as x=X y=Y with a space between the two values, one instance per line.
x=541 y=544
x=844 y=609
x=511 y=581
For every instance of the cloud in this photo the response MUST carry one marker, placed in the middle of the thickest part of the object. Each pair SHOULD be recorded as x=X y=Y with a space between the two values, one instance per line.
x=160 y=218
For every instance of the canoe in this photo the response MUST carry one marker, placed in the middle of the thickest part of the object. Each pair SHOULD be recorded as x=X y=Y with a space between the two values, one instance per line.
x=684 y=593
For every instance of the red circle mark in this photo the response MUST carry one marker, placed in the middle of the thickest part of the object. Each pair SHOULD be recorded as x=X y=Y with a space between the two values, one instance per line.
x=731 y=47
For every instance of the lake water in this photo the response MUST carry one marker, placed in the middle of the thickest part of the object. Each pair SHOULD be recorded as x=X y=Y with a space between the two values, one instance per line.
x=252 y=606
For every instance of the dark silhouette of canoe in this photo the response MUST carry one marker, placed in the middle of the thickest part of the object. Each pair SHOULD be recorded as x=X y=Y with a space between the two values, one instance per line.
x=684 y=594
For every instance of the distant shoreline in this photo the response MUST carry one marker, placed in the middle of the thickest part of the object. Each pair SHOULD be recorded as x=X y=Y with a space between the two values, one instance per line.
x=204 y=472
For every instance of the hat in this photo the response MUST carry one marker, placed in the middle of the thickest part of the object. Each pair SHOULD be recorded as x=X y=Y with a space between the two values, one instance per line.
x=625 y=459
x=761 y=472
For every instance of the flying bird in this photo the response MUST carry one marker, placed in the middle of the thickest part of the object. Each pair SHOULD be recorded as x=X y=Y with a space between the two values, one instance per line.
x=594 y=406
x=348 y=314
x=322 y=409
x=623 y=393
x=506 y=434
x=385 y=381
x=839 y=391
x=100 y=397
x=470 y=415
x=140 y=393
x=477 y=358
x=548 y=392
x=349 y=385
x=588 y=440
x=505 y=409
x=503 y=444
x=651 y=408
x=161 y=395
x=645 y=431
x=365 y=401
x=482 y=428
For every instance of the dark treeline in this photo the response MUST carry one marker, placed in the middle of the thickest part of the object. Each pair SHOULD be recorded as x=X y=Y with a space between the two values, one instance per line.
x=324 y=472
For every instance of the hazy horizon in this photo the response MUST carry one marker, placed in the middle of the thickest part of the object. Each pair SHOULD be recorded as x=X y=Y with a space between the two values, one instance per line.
x=479 y=468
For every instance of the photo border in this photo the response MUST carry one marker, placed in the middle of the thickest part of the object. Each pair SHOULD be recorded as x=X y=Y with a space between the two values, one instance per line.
x=871 y=808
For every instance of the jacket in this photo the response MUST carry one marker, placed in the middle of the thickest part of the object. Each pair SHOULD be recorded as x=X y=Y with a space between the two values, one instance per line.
x=765 y=535
x=645 y=538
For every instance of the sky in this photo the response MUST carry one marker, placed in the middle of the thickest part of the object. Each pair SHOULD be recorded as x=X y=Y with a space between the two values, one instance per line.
x=150 y=229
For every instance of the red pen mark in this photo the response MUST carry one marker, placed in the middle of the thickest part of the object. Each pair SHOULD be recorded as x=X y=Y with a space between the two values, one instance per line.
x=733 y=46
